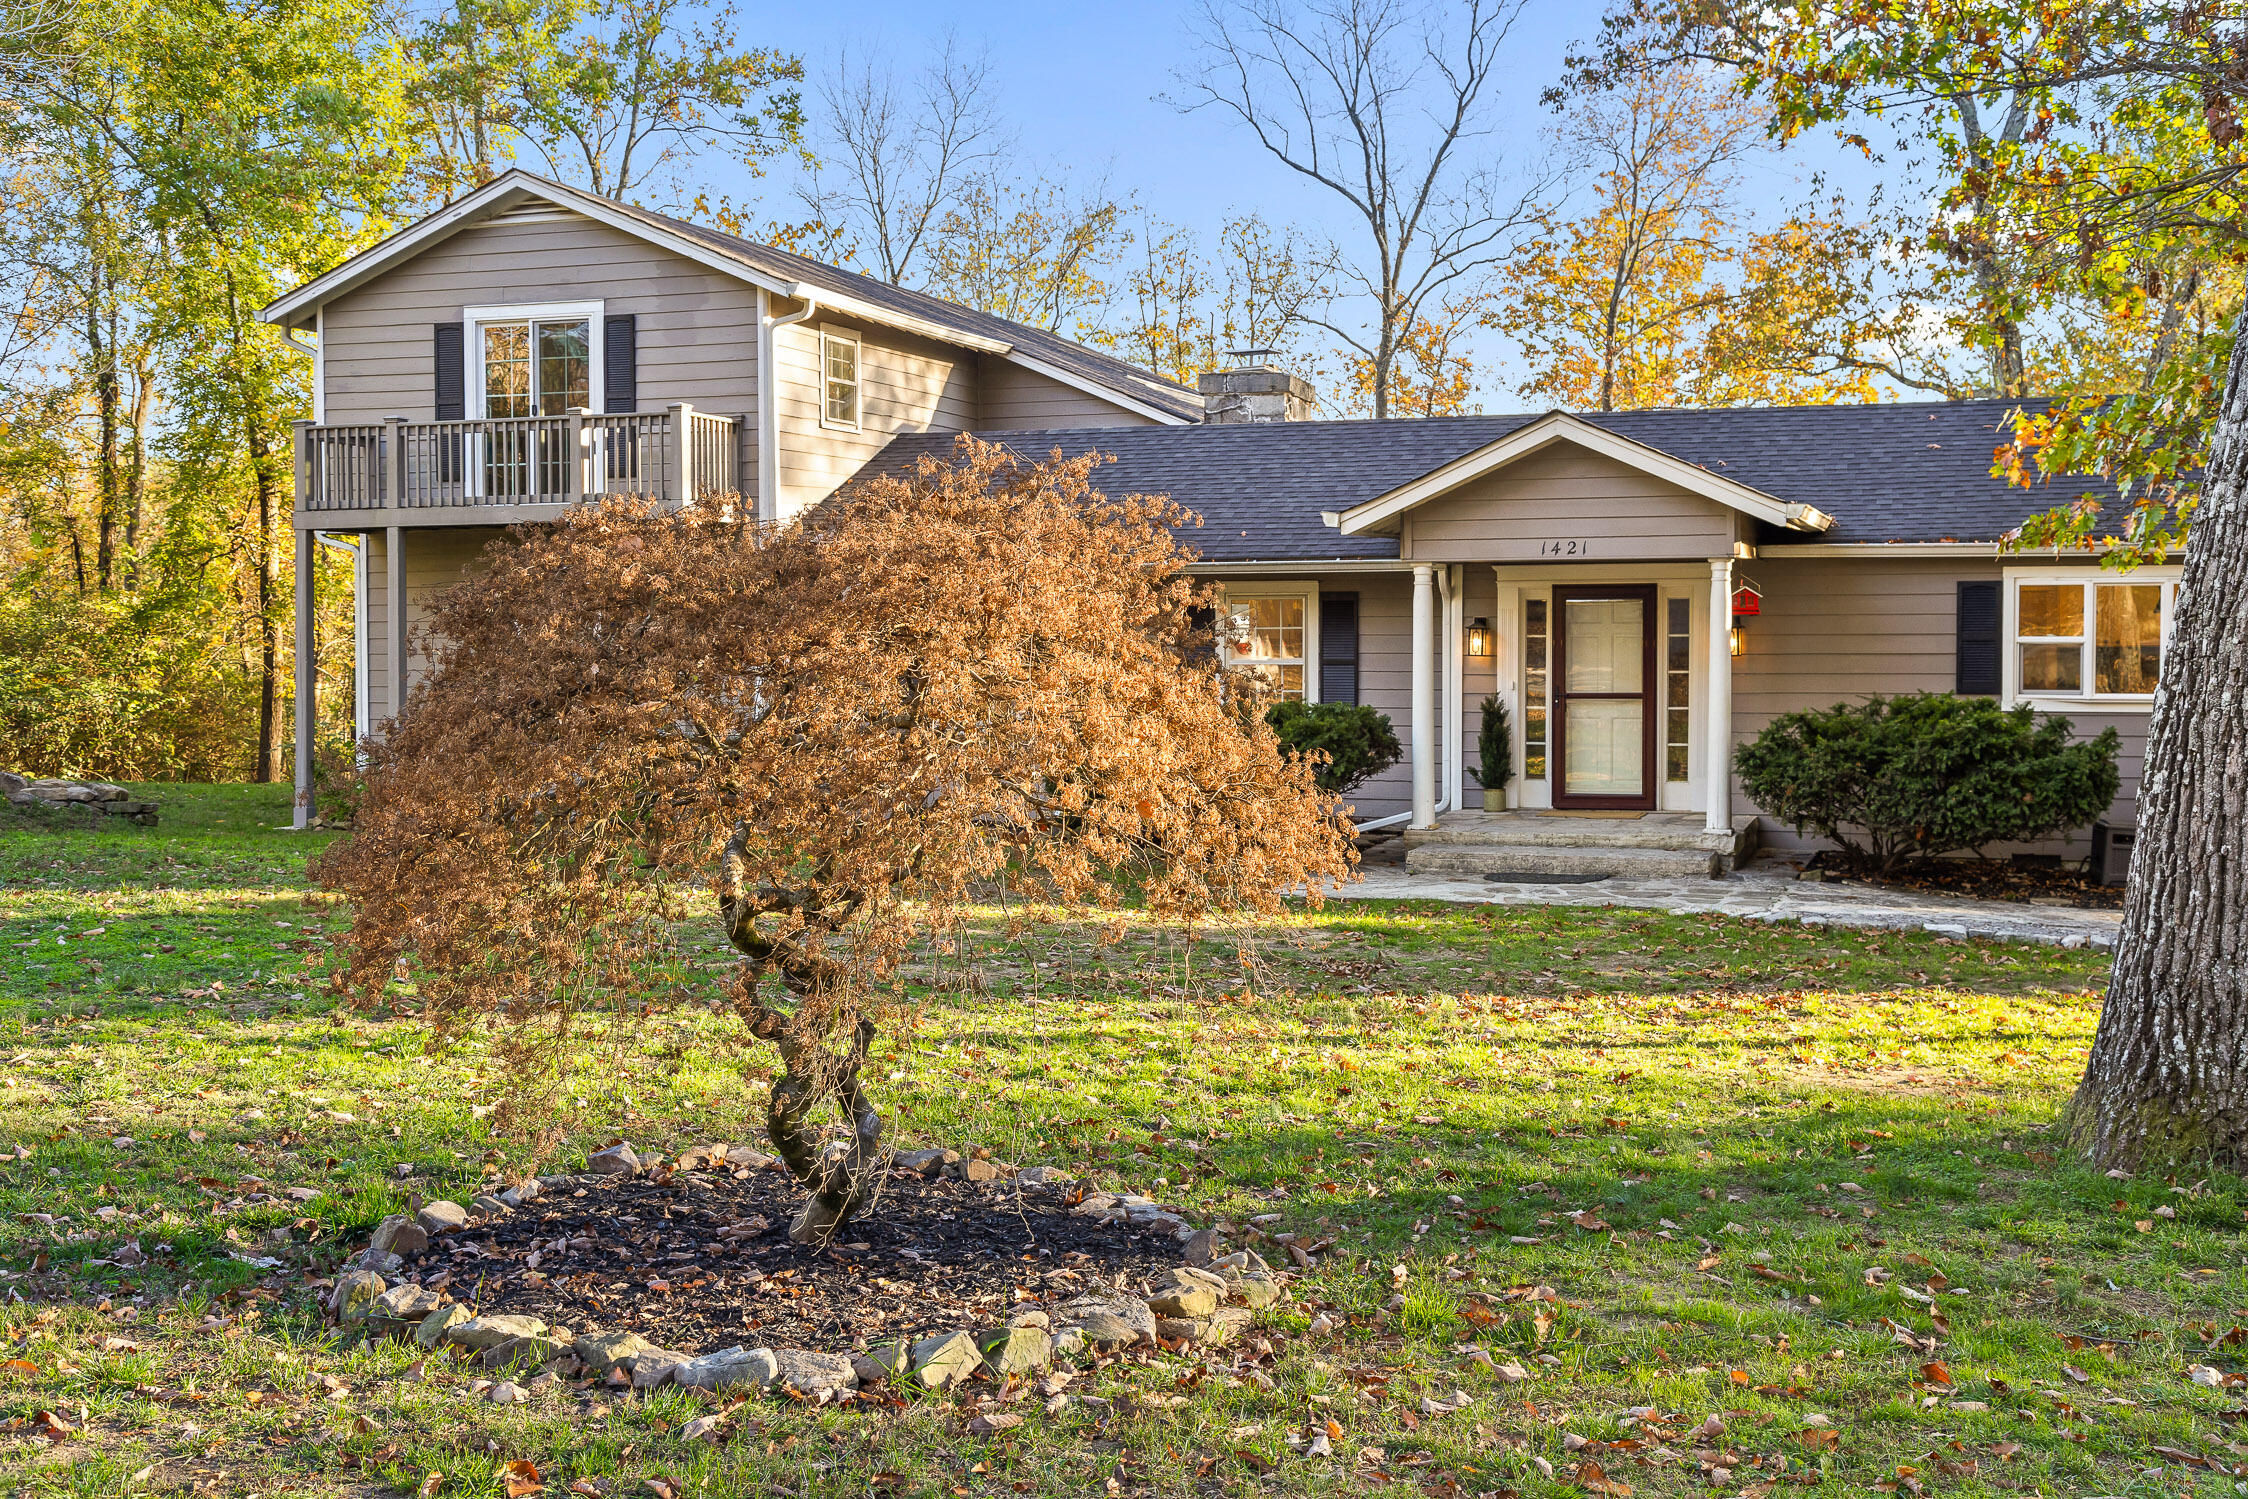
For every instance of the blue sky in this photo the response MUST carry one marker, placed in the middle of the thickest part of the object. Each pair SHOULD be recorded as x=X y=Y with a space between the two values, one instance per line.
x=1083 y=84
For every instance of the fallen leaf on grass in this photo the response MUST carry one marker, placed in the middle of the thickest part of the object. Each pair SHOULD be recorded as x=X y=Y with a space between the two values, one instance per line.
x=992 y=1421
x=20 y=1366
x=2076 y=1374
x=430 y=1485
x=1936 y=1373
x=1595 y=1480
x=521 y=1477
x=587 y=1487
x=664 y=1488
x=51 y=1426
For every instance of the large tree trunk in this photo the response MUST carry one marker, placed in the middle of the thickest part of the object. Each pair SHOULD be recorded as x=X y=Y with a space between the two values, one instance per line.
x=2168 y=1075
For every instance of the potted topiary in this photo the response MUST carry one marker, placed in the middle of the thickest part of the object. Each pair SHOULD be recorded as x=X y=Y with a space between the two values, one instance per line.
x=1494 y=746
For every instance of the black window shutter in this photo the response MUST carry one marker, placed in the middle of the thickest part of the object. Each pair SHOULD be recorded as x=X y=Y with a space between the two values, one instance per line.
x=1980 y=617
x=620 y=365
x=1338 y=647
x=452 y=378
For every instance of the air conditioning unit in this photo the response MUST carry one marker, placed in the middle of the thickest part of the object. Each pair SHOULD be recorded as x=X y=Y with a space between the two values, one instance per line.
x=2111 y=851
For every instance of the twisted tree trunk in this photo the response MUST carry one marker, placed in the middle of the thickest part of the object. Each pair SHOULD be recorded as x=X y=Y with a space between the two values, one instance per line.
x=2168 y=1075
x=839 y=1179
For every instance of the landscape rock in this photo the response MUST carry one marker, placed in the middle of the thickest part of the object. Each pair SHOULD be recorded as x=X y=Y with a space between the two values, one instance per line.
x=1030 y=1316
x=613 y=1160
x=355 y=1295
x=926 y=1162
x=506 y=1393
x=942 y=1360
x=407 y=1303
x=1043 y=1176
x=542 y=1348
x=400 y=1236
x=488 y=1206
x=433 y=1327
x=1068 y=1342
x=479 y=1333
x=1018 y=1350
x=520 y=1193
x=1205 y=1246
x=603 y=1351
x=811 y=1373
x=1185 y=1293
x=441 y=1218
x=652 y=1367
x=882 y=1361
x=380 y=1261
x=979 y=1171
x=728 y=1368
x=1108 y=1321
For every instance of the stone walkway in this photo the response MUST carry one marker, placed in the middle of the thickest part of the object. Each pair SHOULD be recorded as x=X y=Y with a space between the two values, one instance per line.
x=1771 y=892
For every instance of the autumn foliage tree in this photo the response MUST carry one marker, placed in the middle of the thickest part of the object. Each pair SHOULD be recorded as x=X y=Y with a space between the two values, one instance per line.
x=980 y=682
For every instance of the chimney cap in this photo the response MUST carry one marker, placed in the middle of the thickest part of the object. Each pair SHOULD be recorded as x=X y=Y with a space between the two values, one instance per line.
x=1252 y=356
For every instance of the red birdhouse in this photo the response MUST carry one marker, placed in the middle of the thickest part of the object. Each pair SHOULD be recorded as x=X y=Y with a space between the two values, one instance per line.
x=1747 y=601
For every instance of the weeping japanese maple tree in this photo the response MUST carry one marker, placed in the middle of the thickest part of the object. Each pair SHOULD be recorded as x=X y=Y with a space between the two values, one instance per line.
x=927 y=693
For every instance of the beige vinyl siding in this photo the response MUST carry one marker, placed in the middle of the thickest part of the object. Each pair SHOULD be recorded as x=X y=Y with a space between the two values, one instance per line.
x=1566 y=504
x=1842 y=630
x=1013 y=399
x=436 y=558
x=695 y=329
x=906 y=384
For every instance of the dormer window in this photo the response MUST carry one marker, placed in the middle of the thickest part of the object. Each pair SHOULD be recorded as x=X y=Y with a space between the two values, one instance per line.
x=839 y=378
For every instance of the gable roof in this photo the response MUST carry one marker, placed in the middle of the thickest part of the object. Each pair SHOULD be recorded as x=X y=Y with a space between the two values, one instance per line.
x=778 y=271
x=1386 y=512
x=1904 y=472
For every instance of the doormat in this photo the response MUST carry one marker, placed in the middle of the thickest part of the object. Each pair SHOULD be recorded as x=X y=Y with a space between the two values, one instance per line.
x=1610 y=816
x=1523 y=877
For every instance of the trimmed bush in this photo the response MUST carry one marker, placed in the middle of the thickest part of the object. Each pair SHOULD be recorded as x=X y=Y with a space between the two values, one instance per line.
x=1358 y=742
x=1494 y=746
x=1896 y=780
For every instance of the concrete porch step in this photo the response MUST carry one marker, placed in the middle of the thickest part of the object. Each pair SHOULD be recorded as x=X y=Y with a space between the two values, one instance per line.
x=1658 y=830
x=1604 y=861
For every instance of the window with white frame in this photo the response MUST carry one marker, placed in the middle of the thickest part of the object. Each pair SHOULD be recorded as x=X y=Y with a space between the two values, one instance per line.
x=537 y=359
x=839 y=379
x=1272 y=636
x=2088 y=637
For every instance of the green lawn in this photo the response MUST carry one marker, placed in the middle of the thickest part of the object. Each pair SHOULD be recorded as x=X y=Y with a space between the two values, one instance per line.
x=1801 y=1180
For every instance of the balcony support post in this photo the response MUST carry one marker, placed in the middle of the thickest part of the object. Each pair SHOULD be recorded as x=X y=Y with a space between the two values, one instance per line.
x=308 y=679
x=580 y=482
x=394 y=597
x=683 y=449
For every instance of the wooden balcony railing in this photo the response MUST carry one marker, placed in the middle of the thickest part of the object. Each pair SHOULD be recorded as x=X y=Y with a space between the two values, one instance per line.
x=676 y=454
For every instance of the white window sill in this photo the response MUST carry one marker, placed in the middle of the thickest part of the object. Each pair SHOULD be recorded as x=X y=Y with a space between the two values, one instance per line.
x=2061 y=702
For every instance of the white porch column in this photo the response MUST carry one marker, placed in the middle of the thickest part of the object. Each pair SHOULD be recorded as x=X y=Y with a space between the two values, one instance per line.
x=1424 y=695
x=307 y=680
x=1717 y=760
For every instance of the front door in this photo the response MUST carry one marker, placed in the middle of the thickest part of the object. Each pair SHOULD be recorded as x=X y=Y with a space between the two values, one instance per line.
x=1604 y=697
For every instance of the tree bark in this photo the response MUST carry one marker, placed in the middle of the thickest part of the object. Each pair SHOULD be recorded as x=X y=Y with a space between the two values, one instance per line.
x=2168 y=1076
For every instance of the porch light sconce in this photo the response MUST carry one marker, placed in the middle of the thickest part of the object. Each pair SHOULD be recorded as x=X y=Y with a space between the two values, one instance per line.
x=1739 y=645
x=1479 y=636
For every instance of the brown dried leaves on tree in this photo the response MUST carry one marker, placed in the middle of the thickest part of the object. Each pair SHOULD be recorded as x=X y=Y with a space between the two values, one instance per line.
x=923 y=694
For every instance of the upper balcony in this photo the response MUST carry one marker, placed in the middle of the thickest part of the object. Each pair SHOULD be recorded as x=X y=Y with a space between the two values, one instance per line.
x=502 y=470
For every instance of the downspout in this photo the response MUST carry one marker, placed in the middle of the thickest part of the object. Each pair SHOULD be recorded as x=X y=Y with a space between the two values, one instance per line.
x=768 y=409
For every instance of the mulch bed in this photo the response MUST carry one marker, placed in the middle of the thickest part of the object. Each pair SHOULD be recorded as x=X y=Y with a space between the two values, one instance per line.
x=1989 y=879
x=694 y=1262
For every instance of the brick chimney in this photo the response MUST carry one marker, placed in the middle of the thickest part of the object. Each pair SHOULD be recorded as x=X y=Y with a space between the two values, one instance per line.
x=1255 y=390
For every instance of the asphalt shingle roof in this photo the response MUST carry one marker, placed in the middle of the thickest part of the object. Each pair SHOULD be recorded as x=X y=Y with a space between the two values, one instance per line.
x=1091 y=364
x=1904 y=472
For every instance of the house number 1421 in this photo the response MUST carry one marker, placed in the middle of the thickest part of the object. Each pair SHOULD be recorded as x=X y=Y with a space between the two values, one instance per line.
x=1563 y=548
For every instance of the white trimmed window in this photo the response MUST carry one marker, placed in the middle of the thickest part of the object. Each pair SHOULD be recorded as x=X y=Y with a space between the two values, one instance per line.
x=534 y=359
x=2089 y=636
x=1272 y=632
x=839 y=379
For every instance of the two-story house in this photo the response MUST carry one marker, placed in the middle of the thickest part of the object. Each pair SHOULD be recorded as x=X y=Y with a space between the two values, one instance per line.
x=1644 y=589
